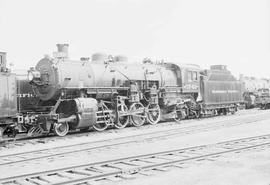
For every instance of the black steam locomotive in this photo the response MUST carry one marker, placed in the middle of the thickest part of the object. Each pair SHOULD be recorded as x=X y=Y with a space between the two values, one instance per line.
x=64 y=94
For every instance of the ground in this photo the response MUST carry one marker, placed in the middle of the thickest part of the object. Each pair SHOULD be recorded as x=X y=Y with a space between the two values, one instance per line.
x=240 y=169
x=252 y=167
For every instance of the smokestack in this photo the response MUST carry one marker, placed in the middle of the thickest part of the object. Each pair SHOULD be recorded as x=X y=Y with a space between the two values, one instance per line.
x=63 y=49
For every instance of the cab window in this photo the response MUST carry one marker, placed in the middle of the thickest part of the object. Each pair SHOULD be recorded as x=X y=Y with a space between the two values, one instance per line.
x=189 y=76
x=194 y=76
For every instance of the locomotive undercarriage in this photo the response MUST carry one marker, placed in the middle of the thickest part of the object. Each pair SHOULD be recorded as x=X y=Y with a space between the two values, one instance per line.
x=114 y=108
x=185 y=111
x=183 y=106
x=124 y=111
x=8 y=127
x=121 y=113
x=116 y=111
x=27 y=123
x=178 y=106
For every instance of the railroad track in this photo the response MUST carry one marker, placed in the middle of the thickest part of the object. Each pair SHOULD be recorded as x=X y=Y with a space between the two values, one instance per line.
x=52 y=153
x=141 y=164
x=22 y=140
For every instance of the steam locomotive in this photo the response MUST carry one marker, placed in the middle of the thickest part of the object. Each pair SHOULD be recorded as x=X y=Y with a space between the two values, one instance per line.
x=107 y=91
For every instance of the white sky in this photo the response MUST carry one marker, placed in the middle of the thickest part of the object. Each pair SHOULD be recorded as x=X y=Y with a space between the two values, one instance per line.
x=205 y=32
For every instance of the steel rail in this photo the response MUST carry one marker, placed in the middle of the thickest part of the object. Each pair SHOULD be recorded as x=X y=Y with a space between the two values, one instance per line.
x=23 y=140
x=226 y=147
x=122 y=141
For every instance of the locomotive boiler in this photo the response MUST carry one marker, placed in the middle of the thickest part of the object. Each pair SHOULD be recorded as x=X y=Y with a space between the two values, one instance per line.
x=109 y=91
x=53 y=75
x=106 y=89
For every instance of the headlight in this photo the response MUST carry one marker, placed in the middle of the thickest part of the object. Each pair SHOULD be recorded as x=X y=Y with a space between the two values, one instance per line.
x=30 y=76
x=33 y=75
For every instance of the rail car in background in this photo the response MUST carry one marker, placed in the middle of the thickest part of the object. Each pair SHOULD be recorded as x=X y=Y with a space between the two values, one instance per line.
x=8 y=89
x=8 y=96
x=17 y=101
x=256 y=93
x=263 y=98
x=62 y=94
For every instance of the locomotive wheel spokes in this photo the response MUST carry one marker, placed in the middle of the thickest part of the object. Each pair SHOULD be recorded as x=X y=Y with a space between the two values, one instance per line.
x=138 y=117
x=153 y=113
x=123 y=118
x=100 y=126
x=102 y=122
x=103 y=119
x=61 y=129
x=179 y=113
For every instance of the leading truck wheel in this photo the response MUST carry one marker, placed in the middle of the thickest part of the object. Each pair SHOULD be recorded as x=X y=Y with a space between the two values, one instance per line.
x=153 y=113
x=61 y=129
x=138 y=117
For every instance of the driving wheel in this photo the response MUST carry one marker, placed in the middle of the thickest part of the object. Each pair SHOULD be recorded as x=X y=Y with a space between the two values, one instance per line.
x=138 y=117
x=123 y=118
x=153 y=113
